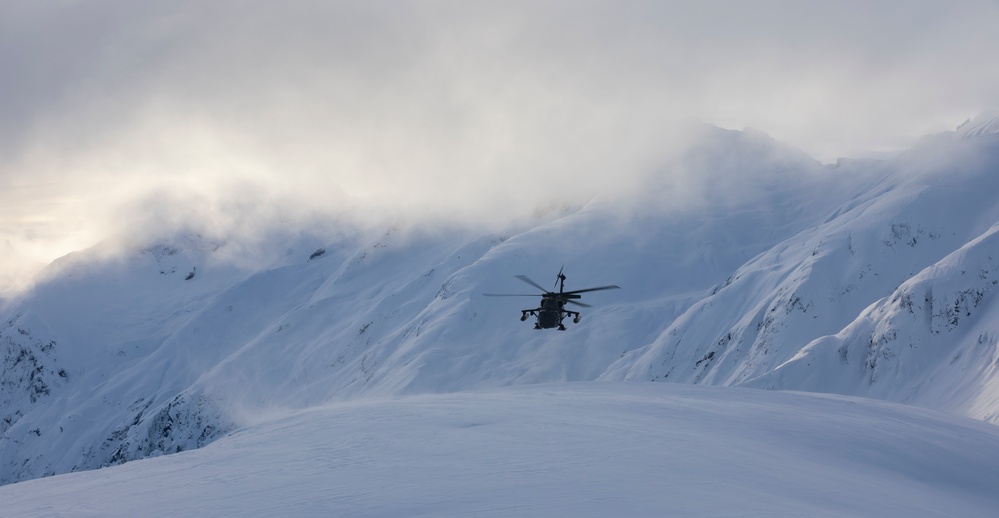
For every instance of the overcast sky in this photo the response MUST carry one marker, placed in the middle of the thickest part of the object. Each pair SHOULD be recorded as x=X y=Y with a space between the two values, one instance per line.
x=119 y=111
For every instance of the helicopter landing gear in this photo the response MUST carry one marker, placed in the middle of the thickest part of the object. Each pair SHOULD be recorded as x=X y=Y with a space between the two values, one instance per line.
x=561 y=327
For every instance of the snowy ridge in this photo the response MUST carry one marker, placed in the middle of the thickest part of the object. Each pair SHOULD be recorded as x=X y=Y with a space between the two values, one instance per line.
x=939 y=322
x=985 y=123
x=816 y=282
x=801 y=277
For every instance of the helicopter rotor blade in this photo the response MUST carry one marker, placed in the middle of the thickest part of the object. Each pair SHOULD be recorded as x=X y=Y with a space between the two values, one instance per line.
x=508 y=295
x=532 y=283
x=579 y=304
x=610 y=287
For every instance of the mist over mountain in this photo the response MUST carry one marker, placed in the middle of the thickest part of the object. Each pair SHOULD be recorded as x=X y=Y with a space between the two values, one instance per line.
x=742 y=262
x=18 y=270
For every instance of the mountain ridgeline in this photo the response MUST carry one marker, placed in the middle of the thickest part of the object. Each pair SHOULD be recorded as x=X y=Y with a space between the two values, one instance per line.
x=875 y=278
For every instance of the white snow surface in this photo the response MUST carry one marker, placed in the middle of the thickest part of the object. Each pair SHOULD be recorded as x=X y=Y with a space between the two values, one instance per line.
x=577 y=449
x=870 y=279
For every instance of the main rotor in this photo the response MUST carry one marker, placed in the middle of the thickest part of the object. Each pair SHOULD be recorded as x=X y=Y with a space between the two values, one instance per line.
x=571 y=297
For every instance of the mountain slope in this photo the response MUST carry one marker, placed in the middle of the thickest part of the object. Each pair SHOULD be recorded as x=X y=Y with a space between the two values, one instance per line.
x=173 y=343
x=938 y=325
x=926 y=204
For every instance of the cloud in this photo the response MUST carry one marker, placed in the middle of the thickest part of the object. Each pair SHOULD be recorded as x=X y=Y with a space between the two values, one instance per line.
x=468 y=110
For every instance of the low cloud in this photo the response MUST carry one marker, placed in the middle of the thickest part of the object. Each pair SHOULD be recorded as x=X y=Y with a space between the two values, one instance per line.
x=140 y=116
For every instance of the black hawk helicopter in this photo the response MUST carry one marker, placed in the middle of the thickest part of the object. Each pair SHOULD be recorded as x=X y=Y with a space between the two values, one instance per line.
x=552 y=310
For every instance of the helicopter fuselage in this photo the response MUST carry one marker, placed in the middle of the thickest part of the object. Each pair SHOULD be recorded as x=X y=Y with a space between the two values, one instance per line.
x=552 y=312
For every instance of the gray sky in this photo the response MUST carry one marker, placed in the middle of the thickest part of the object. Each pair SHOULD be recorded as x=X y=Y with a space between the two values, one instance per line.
x=241 y=112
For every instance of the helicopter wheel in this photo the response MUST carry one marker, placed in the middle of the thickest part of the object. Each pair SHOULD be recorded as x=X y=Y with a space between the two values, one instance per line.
x=561 y=327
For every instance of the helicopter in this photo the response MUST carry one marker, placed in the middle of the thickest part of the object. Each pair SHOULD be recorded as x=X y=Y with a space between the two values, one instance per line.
x=552 y=310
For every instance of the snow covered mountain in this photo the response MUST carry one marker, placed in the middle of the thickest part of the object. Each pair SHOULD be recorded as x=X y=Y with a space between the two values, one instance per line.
x=867 y=278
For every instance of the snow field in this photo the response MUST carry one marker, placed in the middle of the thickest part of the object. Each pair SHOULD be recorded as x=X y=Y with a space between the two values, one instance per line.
x=581 y=449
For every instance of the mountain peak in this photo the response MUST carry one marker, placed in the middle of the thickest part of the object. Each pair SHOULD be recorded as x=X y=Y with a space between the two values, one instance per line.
x=985 y=123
